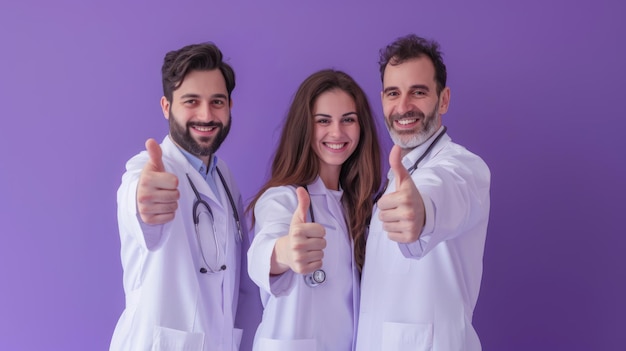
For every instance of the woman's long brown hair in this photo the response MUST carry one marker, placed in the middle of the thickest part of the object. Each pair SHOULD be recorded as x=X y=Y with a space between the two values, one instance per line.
x=295 y=162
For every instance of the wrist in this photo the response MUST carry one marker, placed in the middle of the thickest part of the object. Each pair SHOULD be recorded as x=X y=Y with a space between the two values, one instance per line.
x=279 y=263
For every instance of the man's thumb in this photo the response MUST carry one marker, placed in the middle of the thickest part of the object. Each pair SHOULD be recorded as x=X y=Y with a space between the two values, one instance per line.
x=395 y=162
x=299 y=215
x=154 y=151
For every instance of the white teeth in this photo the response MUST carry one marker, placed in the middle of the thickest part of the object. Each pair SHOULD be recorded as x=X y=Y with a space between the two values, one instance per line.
x=335 y=146
x=204 y=129
x=407 y=121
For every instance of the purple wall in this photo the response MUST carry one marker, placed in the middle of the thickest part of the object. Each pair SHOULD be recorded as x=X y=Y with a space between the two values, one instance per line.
x=536 y=90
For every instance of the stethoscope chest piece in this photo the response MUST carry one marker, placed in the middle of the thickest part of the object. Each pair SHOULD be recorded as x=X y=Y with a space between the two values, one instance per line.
x=316 y=278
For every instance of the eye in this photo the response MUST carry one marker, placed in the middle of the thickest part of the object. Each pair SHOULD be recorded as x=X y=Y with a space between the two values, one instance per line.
x=392 y=93
x=322 y=121
x=190 y=102
x=218 y=103
x=349 y=120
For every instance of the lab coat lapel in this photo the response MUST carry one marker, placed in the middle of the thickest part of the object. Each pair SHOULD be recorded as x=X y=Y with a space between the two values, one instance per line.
x=316 y=193
x=445 y=139
x=332 y=206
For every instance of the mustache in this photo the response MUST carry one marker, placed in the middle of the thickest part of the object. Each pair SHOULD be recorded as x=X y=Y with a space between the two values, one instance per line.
x=408 y=114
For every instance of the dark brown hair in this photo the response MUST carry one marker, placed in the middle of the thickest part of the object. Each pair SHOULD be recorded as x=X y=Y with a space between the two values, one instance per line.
x=196 y=57
x=411 y=47
x=295 y=162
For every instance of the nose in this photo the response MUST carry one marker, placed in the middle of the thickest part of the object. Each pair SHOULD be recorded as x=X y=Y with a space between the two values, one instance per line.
x=334 y=129
x=205 y=113
x=404 y=104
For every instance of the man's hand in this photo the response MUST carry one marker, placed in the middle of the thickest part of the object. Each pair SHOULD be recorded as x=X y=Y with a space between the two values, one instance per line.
x=301 y=250
x=402 y=212
x=157 y=190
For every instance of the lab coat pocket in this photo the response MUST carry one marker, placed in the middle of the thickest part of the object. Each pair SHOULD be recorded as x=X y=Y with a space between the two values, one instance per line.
x=407 y=337
x=167 y=339
x=287 y=345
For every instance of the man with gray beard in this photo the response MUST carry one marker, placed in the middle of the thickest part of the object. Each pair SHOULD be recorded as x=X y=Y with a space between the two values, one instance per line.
x=423 y=260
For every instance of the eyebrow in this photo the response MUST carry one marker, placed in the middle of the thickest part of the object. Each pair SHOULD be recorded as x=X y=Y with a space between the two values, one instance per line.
x=413 y=87
x=196 y=96
x=329 y=116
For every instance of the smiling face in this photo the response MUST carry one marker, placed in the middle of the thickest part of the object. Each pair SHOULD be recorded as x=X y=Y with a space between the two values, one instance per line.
x=336 y=133
x=199 y=113
x=410 y=102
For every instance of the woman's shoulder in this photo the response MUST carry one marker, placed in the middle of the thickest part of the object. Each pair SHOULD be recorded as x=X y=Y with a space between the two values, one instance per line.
x=286 y=191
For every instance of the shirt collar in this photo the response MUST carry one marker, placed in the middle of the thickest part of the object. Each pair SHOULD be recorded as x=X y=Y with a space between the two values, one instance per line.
x=198 y=164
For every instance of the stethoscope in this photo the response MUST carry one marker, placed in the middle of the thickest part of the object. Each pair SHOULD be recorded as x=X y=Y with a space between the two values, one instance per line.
x=414 y=166
x=319 y=276
x=196 y=220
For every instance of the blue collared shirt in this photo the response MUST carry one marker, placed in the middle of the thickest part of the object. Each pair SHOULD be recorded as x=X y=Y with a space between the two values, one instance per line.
x=202 y=169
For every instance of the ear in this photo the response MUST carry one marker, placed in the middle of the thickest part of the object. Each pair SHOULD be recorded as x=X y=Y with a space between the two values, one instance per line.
x=444 y=100
x=165 y=106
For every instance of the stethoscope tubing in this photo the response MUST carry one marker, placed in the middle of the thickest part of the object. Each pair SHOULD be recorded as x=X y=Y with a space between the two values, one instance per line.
x=317 y=277
x=196 y=218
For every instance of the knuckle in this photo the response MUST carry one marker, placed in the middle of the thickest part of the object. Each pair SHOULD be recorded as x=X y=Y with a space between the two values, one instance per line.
x=295 y=231
x=145 y=177
x=297 y=245
x=298 y=258
x=142 y=199
x=171 y=207
x=410 y=215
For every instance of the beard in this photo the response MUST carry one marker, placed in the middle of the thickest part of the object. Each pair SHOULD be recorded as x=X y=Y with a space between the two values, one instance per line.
x=206 y=146
x=409 y=139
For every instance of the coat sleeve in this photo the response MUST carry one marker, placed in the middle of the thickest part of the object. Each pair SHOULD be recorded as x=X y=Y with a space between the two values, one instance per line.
x=273 y=213
x=455 y=190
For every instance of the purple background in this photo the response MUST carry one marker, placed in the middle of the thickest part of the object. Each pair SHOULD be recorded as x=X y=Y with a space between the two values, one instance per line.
x=537 y=91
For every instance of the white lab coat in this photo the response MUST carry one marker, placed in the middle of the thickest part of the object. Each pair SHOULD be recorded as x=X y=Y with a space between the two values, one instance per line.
x=169 y=304
x=298 y=317
x=421 y=296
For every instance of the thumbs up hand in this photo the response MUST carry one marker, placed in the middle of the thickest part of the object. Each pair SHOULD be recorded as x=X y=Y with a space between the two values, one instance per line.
x=402 y=212
x=301 y=250
x=157 y=190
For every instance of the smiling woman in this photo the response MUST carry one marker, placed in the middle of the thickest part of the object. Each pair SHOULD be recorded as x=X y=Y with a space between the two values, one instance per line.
x=309 y=245
x=336 y=134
